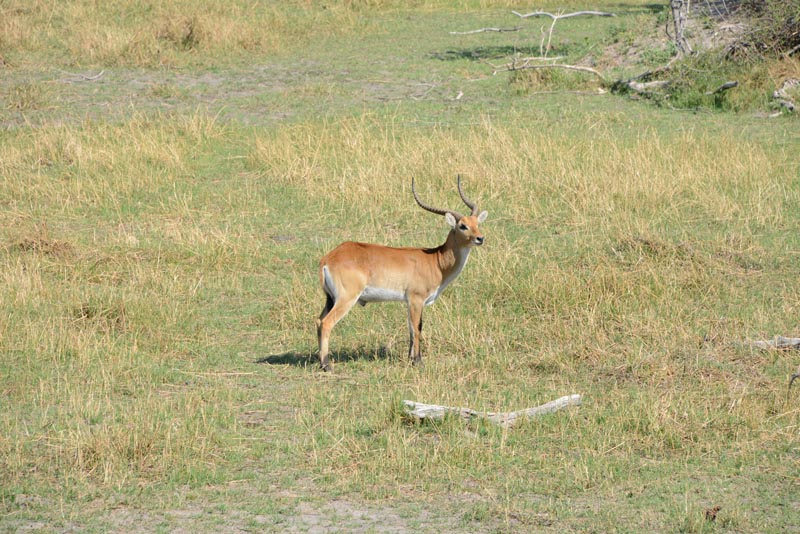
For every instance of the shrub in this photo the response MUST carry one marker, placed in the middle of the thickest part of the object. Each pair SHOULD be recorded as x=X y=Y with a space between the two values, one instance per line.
x=775 y=24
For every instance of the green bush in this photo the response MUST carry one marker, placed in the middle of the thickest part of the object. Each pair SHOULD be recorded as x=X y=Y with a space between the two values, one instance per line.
x=776 y=25
x=696 y=79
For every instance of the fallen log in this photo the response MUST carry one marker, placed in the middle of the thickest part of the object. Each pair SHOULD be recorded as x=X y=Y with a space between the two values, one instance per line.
x=420 y=411
x=779 y=343
x=646 y=88
x=782 y=96
x=722 y=88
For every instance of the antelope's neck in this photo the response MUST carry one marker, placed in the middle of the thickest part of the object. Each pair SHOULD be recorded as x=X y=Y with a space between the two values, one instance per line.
x=451 y=260
x=451 y=257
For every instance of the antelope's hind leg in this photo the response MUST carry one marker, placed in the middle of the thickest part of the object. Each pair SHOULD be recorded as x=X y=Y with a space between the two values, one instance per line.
x=328 y=305
x=327 y=320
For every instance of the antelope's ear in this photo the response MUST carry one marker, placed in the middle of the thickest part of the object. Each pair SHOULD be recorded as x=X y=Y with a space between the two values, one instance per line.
x=482 y=216
x=450 y=219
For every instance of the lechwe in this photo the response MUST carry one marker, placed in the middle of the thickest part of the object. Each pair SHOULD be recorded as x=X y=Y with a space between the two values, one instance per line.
x=362 y=273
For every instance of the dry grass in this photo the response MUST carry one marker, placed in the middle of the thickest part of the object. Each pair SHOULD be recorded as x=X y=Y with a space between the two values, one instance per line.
x=85 y=33
x=174 y=34
x=628 y=268
x=158 y=289
x=187 y=32
x=641 y=182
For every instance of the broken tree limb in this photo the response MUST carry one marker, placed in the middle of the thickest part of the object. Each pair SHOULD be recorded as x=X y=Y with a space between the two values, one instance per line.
x=646 y=88
x=779 y=343
x=791 y=380
x=722 y=88
x=789 y=106
x=781 y=96
x=548 y=35
x=556 y=17
x=82 y=77
x=563 y=15
x=483 y=30
x=419 y=410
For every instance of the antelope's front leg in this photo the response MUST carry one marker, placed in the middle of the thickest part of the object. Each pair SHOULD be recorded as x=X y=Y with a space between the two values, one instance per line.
x=415 y=329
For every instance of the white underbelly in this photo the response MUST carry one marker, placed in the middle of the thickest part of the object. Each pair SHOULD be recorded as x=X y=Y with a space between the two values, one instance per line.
x=380 y=294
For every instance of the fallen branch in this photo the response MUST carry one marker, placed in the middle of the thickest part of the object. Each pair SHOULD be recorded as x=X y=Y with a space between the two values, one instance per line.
x=421 y=411
x=563 y=16
x=646 y=88
x=548 y=35
x=599 y=92
x=556 y=17
x=77 y=77
x=790 y=106
x=482 y=30
x=722 y=88
x=791 y=381
x=779 y=343
x=782 y=97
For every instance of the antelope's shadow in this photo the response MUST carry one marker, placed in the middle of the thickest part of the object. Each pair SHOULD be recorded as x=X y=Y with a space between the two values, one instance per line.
x=300 y=359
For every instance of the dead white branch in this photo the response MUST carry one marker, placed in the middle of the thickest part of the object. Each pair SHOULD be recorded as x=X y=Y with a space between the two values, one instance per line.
x=420 y=411
x=789 y=106
x=781 y=92
x=647 y=88
x=526 y=60
x=483 y=30
x=563 y=15
x=548 y=35
x=781 y=96
x=556 y=17
x=82 y=77
x=779 y=343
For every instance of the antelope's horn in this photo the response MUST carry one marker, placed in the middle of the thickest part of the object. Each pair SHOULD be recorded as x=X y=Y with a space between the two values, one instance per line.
x=467 y=201
x=437 y=211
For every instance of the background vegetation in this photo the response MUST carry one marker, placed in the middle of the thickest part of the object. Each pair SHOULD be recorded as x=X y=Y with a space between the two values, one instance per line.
x=160 y=226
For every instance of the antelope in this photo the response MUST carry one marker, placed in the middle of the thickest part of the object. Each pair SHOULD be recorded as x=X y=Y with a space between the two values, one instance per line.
x=363 y=273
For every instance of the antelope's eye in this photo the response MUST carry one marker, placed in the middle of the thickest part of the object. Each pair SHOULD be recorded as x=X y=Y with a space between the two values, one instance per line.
x=463 y=227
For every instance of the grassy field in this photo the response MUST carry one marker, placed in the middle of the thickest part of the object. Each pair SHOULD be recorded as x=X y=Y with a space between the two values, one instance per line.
x=170 y=176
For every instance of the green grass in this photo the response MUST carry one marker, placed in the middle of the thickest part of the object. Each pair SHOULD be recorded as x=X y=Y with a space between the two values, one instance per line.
x=158 y=291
